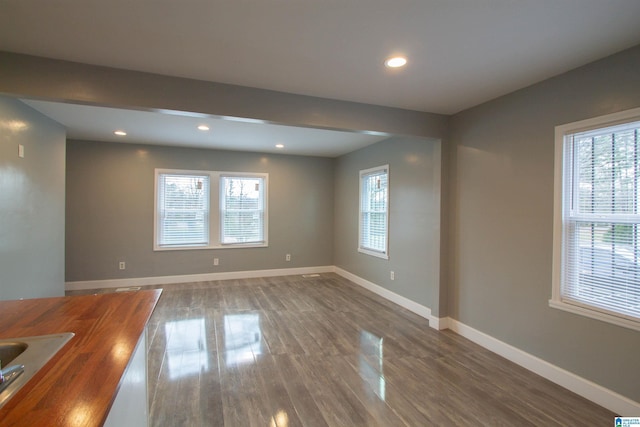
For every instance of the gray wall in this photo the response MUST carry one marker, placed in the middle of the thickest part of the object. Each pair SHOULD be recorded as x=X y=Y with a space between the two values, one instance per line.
x=29 y=76
x=31 y=203
x=414 y=217
x=110 y=205
x=501 y=196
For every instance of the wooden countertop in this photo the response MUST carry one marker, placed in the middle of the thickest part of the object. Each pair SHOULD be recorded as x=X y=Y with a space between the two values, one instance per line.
x=78 y=385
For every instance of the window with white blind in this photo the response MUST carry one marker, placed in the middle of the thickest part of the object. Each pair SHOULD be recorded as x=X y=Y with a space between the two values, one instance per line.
x=596 y=234
x=183 y=210
x=208 y=210
x=374 y=212
x=242 y=213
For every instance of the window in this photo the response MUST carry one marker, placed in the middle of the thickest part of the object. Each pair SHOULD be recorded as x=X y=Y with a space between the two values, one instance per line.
x=374 y=211
x=205 y=209
x=597 y=219
x=183 y=210
x=241 y=209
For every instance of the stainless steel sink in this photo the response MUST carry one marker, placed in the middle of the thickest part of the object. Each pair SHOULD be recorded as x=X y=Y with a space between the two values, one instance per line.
x=33 y=353
x=11 y=350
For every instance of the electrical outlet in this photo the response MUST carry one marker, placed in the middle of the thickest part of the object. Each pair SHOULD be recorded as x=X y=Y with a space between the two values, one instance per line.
x=287 y=257
x=393 y=275
x=122 y=265
x=216 y=261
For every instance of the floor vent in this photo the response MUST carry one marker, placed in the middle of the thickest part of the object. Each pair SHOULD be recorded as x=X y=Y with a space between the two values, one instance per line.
x=308 y=276
x=129 y=289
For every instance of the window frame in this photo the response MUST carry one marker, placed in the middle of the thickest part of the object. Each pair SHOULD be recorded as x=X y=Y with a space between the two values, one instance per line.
x=264 y=208
x=214 y=218
x=363 y=249
x=561 y=187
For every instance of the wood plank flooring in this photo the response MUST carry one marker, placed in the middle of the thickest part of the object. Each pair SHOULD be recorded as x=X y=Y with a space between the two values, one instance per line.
x=293 y=351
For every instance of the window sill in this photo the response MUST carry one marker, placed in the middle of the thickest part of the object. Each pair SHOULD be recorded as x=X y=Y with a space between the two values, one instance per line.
x=382 y=255
x=594 y=314
x=223 y=246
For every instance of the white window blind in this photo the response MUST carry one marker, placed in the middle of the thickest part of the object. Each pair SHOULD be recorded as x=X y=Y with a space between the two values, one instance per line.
x=183 y=210
x=242 y=209
x=600 y=219
x=374 y=205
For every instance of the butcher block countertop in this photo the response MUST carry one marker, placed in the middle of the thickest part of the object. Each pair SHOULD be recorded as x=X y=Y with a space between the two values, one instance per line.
x=78 y=385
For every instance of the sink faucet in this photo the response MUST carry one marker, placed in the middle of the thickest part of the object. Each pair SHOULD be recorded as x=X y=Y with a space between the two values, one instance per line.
x=7 y=375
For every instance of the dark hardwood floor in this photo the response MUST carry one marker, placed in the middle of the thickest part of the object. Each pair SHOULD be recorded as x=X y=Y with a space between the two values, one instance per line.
x=294 y=351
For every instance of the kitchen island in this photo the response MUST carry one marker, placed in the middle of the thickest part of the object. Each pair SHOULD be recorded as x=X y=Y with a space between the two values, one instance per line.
x=79 y=385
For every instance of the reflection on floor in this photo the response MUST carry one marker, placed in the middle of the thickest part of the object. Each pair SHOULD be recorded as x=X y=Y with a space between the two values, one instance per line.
x=242 y=338
x=186 y=351
x=294 y=351
x=371 y=360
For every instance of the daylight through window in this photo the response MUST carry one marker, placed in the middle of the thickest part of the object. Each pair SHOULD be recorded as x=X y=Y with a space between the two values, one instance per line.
x=242 y=209
x=183 y=210
x=204 y=209
x=600 y=253
x=374 y=211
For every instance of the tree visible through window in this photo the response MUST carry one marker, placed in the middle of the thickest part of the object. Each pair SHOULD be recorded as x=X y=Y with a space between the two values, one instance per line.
x=183 y=210
x=374 y=204
x=600 y=217
x=242 y=209
x=188 y=203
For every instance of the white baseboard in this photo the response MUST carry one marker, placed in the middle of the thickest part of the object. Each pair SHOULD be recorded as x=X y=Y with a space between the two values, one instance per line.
x=420 y=310
x=169 y=280
x=609 y=399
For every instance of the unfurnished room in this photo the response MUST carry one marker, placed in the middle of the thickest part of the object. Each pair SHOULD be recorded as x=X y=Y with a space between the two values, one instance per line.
x=293 y=213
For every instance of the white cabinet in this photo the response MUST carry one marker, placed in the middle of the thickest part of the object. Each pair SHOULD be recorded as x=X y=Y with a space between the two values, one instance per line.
x=130 y=407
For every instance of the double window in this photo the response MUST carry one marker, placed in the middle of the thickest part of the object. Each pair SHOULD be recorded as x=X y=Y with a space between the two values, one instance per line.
x=201 y=209
x=597 y=252
x=374 y=212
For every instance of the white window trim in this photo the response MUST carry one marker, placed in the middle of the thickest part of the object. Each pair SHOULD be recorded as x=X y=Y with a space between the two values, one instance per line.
x=556 y=300
x=265 y=196
x=367 y=251
x=214 y=210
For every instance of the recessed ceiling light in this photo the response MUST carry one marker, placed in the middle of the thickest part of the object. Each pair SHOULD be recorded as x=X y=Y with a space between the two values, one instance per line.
x=120 y=133
x=203 y=127
x=396 y=62
x=279 y=145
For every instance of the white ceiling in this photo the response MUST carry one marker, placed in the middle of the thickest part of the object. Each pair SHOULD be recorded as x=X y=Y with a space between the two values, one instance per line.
x=461 y=52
